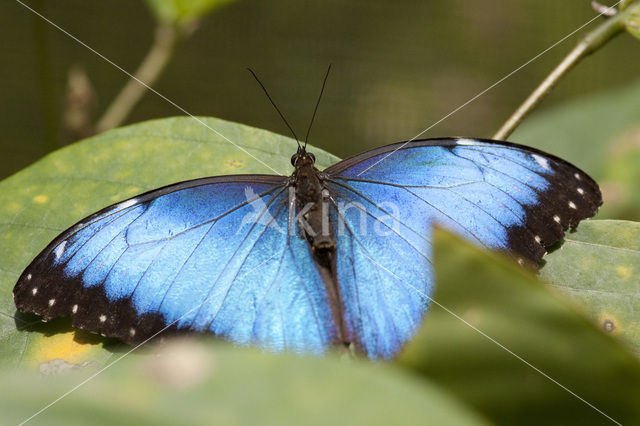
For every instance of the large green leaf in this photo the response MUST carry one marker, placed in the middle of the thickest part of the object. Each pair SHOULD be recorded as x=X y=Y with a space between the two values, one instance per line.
x=44 y=199
x=620 y=177
x=497 y=331
x=188 y=382
x=599 y=269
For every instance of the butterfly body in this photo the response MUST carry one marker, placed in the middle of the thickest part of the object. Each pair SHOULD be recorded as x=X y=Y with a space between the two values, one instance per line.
x=308 y=261
x=311 y=198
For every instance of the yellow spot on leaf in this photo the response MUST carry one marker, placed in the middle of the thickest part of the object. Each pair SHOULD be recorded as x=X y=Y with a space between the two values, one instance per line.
x=80 y=210
x=60 y=346
x=41 y=199
x=624 y=272
x=234 y=164
x=13 y=207
x=133 y=190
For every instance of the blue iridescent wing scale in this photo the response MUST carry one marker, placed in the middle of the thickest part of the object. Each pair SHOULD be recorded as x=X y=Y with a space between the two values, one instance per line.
x=220 y=255
x=500 y=195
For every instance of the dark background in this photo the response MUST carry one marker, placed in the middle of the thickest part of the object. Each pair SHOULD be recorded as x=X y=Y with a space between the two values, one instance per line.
x=399 y=66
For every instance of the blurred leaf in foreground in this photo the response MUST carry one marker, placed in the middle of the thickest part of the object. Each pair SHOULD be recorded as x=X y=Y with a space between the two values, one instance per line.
x=183 y=11
x=491 y=295
x=188 y=382
x=39 y=202
x=599 y=268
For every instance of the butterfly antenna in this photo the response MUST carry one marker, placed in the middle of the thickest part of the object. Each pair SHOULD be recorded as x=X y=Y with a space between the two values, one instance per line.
x=274 y=105
x=324 y=82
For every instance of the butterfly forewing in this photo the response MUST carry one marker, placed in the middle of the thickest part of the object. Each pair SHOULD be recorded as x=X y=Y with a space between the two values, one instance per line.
x=500 y=195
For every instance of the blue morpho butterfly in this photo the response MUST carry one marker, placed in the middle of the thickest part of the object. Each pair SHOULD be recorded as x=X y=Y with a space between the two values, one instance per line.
x=307 y=261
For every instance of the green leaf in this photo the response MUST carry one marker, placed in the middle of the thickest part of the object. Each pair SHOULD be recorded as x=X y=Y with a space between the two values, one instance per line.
x=46 y=198
x=620 y=177
x=632 y=21
x=183 y=11
x=188 y=382
x=497 y=312
x=599 y=269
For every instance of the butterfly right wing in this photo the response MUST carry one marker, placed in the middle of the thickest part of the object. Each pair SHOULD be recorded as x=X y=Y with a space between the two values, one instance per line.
x=385 y=202
x=220 y=254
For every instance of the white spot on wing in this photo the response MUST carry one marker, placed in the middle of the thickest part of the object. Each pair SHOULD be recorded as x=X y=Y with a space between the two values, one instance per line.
x=572 y=205
x=543 y=162
x=577 y=176
x=128 y=203
x=520 y=261
x=59 y=250
x=34 y=290
x=556 y=218
x=103 y=318
x=580 y=191
x=466 y=142
x=74 y=309
x=132 y=332
x=52 y=302
x=538 y=239
x=29 y=276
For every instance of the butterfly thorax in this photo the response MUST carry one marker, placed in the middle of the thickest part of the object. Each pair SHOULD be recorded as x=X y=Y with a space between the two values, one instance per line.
x=312 y=203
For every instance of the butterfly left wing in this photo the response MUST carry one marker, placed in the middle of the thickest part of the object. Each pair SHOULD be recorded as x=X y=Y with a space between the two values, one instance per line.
x=502 y=196
x=220 y=255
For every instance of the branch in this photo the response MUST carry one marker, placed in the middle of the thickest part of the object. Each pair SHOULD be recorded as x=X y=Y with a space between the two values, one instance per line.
x=591 y=42
x=150 y=69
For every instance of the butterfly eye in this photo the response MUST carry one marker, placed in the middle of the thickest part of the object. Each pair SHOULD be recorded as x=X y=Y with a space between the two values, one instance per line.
x=294 y=158
x=313 y=157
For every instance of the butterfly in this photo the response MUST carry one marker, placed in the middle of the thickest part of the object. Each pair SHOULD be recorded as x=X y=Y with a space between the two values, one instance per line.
x=309 y=261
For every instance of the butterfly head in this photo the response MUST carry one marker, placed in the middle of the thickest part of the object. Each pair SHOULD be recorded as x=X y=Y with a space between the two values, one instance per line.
x=302 y=158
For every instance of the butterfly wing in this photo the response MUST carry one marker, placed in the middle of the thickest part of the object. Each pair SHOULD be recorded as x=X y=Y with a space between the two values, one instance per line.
x=502 y=196
x=219 y=254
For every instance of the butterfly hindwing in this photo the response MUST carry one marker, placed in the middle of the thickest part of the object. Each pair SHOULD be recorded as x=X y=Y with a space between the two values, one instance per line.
x=221 y=255
x=384 y=270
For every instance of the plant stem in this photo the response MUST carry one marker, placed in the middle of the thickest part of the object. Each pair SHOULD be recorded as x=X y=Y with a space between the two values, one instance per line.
x=591 y=42
x=149 y=70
